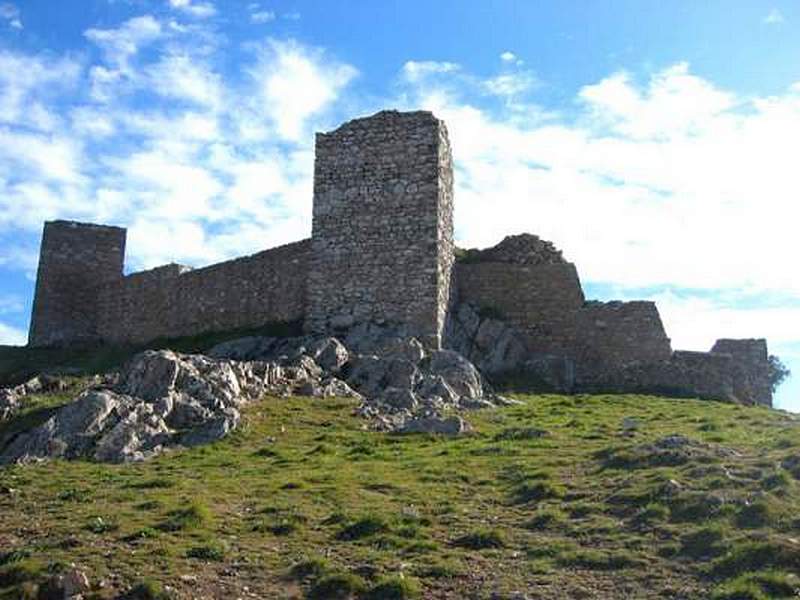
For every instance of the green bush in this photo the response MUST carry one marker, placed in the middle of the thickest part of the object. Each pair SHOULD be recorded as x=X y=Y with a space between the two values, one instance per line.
x=194 y=516
x=481 y=539
x=703 y=543
x=395 y=588
x=364 y=527
x=337 y=586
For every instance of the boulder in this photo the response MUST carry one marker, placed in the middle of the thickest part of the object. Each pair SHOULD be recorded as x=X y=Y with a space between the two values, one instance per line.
x=459 y=374
x=438 y=425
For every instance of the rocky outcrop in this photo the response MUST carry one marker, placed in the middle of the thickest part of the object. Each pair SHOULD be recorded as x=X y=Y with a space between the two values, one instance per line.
x=163 y=399
x=11 y=398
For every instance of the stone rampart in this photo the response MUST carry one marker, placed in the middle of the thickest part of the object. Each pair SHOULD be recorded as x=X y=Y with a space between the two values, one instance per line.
x=751 y=378
x=76 y=261
x=174 y=301
x=382 y=236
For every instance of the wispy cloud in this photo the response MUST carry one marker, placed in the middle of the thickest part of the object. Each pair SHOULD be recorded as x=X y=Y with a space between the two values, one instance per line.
x=262 y=16
x=11 y=15
x=12 y=336
x=773 y=17
x=200 y=10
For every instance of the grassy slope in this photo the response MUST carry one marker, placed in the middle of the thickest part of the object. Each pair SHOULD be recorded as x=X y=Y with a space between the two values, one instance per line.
x=573 y=513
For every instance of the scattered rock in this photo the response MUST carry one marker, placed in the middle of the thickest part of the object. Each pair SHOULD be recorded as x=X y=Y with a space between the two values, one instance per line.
x=446 y=426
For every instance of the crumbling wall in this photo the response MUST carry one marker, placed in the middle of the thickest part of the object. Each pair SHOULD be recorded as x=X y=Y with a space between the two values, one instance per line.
x=76 y=260
x=174 y=301
x=684 y=374
x=751 y=382
x=382 y=238
x=609 y=335
x=542 y=301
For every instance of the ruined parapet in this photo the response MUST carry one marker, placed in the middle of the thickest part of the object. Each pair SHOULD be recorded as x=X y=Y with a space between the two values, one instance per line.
x=382 y=240
x=751 y=383
x=521 y=249
x=610 y=335
x=76 y=261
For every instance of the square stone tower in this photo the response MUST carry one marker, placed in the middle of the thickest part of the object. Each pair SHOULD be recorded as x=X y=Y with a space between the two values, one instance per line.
x=76 y=260
x=382 y=236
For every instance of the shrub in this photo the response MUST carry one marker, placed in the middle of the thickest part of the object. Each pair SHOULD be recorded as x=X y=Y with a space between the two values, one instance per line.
x=703 y=543
x=337 y=586
x=757 y=514
x=395 y=588
x=212 y=552
x=538 y=491
x=481 y=539
x=147 y=589
x=364 y=527
x=194 y=516
x=312 y=568
x=757 y=556
x=599 y=560
x=545 y=519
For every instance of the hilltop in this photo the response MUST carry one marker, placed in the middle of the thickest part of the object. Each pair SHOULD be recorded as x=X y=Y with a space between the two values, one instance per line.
x=559 y=496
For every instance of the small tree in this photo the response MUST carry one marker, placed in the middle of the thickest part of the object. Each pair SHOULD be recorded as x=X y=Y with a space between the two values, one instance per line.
x=778 y=372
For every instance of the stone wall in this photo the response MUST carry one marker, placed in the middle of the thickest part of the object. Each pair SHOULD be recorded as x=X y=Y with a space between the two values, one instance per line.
x=542 y=301
x=609 y=335
x=382 y=237
x=76 y=260
x=751 y=383
x=174 y=301
x=546 y=303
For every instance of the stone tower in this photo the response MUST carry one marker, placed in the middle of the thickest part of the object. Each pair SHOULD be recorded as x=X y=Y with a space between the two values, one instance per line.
x=76 y=260
x=382 y=241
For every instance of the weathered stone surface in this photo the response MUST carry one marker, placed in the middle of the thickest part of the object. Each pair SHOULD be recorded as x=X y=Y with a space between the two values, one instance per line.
x=379 y=273
x=163 y=399
x=382 y=234
x=446 y=426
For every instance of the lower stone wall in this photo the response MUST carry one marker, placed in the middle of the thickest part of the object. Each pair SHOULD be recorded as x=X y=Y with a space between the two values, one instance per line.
x=751 y=381
x=546 y=303
x=173 y=301
x=610 y=335
x=542 y=301
x=684 y=374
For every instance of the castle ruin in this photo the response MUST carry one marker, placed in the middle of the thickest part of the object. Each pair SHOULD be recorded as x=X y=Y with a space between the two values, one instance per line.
x=382 y=252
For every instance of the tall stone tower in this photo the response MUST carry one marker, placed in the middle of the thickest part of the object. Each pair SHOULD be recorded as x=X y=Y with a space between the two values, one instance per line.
x=75 y=261
x=382 y=241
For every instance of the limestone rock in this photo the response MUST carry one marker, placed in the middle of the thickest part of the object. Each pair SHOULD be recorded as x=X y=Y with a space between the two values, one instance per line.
x=445 y=426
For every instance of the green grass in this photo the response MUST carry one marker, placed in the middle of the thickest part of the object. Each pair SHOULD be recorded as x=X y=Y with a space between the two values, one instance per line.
x=325 y=508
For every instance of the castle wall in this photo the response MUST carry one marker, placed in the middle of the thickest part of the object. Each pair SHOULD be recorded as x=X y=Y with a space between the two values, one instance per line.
x=174 y=301
x=382 y=241
x=76 y=261
x=751 y=383
x=546 y=303
x=542 y=301
x=613 y=334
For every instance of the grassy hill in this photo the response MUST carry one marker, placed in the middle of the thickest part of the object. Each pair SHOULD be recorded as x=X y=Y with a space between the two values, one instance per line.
x=559 y=497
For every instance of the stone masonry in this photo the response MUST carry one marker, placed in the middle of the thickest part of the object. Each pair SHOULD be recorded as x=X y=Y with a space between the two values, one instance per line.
x=382 y=236
x=382 y=253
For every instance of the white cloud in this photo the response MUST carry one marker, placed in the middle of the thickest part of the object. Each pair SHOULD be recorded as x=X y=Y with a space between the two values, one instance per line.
x=295 y=83
x=415 y=71
x=773 y=17
x=508 y=56
x=11 y=304
x=12 y=336
x=28 y=83
x=672 y=181
x=182 y=76
x=124 y=42
x=262 y=16
x=201 y=10
x=10 y=13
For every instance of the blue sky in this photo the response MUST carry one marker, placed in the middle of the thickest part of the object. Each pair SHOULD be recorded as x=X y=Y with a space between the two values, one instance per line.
x=656 y=143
